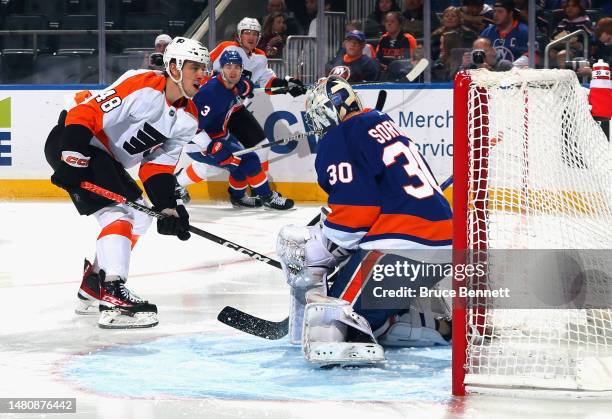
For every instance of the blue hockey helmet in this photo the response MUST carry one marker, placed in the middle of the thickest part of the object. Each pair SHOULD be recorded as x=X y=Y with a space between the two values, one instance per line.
x=230 y=57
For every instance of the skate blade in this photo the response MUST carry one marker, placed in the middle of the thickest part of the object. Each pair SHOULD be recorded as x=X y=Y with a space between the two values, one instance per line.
x=114 y=319
x=87 y=308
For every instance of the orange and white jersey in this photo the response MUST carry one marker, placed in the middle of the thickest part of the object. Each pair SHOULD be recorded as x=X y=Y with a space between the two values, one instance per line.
x=256 y=63
x=132 y=120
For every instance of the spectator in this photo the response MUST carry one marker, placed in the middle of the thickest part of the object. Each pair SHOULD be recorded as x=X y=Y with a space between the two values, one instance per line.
x=312 y=28
x=279 y=6
x=476 y=14
x=368 y=49
x=413 y=18
x=380 y=12
x=362 y=68
x=602 y=47
x=155 y=61
x=483 y=55
x=442 y=70
x=575 y=18
x=273 y=37
x=395 y=44
x=452 y=21
x=508 y=35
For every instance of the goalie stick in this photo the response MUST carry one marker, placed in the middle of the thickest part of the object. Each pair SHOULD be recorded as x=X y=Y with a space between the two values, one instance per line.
x=268 y=329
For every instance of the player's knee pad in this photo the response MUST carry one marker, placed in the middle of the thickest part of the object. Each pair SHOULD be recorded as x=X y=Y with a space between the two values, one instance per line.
x=328 y=322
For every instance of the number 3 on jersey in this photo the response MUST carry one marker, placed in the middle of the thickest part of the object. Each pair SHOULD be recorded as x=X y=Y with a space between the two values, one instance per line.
x=415 y=167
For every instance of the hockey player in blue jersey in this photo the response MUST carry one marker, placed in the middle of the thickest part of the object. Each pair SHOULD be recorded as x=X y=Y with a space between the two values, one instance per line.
x=382 y=195
x=212 y=147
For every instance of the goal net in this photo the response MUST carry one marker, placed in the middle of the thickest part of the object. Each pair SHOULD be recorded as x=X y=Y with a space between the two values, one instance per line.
x=532 y=170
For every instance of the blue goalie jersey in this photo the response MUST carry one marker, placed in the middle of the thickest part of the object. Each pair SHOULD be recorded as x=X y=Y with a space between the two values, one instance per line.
x=381 y=191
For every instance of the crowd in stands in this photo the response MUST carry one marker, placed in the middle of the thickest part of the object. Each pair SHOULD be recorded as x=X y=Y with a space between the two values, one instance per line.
x=385 y=45
x=464 y=34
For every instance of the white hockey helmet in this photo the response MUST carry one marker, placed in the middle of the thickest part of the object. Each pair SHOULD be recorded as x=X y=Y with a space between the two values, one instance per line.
x=329 y=102
x=248 y=23
x=185 y=49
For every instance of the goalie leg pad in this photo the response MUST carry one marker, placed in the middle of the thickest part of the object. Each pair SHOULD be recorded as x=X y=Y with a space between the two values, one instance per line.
x=327 y=322
x=412 y=329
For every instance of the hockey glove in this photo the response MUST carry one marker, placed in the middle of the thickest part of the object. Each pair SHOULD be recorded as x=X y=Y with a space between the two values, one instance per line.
x=72 y=171
x=295 y=87
x=244 y=88
x=175 y=223
x=221 y=154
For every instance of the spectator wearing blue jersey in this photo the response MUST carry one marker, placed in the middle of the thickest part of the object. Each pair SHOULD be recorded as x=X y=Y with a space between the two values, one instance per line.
x=213 y=147
x=508 y=35
x=362 y=68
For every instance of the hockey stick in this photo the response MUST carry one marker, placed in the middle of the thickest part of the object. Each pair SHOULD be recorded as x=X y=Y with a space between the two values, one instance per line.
x=417 y=69
x=293 y=137
x=98 y=190
x=268 y=329
x=380 y=101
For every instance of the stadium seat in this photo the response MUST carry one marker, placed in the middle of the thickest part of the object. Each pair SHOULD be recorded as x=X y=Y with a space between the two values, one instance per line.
x=117 y=64
x=17 y=67
x=57 y=69
x=80 y=44
x=25 y=42
x=52 y=9
x=145 y=41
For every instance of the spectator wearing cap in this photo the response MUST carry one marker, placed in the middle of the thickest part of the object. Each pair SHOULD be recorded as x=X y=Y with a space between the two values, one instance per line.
x=368 y=49
x=395 y=44
x=507 y=35
x=155 y=61
x=362 y=68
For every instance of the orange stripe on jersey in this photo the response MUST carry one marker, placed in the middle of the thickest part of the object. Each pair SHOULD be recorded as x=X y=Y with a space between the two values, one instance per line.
x=353 y=216
x=258 y=179
x=363 y=272
x=191 y=174
x=205 y=79
x=269 y=85
x=134 y=239
x=192 y=109
x=220 y=48
x=101 y=135
x=119 y=228
x=265 y=165
x=81 y=96
x=413 y=226
x=149 y=169
x=259 y=51
x=237 y=184
x=91 y=115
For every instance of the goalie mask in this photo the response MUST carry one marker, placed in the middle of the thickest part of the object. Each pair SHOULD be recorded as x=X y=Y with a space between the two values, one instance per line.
x=330 y=101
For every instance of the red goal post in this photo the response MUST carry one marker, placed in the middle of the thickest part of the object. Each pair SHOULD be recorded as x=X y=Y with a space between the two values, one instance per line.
x=532 y=170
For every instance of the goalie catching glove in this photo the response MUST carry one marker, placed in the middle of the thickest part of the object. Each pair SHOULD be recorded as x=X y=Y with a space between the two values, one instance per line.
x=306 y=255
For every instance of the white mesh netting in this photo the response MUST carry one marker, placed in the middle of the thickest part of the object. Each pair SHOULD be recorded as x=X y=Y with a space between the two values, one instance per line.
x=540 y=177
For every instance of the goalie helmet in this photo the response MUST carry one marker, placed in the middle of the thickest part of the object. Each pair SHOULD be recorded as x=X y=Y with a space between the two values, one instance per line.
x=331 y=100
x=185 y=49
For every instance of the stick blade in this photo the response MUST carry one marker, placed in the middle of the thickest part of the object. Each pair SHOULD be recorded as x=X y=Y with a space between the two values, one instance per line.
x=253 y=325
x=417 y=69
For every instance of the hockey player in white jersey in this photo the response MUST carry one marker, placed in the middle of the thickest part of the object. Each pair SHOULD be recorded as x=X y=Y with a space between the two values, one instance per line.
x=242 y=125
x=144 y=118
x=382 y=195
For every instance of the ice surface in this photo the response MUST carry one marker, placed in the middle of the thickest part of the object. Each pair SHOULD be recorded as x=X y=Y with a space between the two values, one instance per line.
x=192 y=366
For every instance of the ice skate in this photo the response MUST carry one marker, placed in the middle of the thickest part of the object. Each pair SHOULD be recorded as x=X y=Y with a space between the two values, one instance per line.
x=89 y=291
